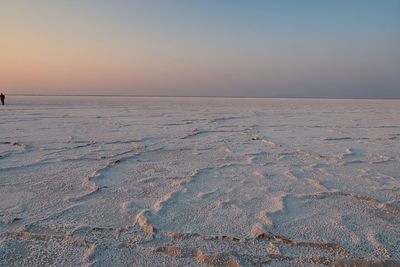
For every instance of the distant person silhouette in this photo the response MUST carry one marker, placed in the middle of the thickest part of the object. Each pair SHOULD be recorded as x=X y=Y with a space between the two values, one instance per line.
x=2 y=97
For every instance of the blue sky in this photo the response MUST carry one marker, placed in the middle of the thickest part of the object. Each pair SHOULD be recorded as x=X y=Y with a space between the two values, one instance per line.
x=282 y=48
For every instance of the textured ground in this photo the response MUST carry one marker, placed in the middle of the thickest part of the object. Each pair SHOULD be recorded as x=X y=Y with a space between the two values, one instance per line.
x=199 y=181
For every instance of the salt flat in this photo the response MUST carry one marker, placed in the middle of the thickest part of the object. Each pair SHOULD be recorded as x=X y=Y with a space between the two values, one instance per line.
x=199 y=181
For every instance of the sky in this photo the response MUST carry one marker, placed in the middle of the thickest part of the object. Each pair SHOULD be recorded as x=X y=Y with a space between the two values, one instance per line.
x=269 y=48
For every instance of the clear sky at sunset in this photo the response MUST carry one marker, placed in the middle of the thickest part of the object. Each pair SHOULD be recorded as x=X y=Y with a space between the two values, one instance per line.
x=281 y=48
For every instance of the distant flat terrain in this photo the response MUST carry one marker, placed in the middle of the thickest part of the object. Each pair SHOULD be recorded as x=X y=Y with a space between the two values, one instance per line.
x=97 y=181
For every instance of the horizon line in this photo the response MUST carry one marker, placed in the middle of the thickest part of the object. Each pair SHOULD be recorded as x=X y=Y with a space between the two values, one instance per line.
x=200 y=96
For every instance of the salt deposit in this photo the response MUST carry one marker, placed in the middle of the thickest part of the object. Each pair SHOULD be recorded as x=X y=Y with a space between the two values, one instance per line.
x=97 y=181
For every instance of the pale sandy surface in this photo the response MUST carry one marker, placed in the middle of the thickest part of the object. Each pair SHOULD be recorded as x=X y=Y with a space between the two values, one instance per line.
x=199 y=181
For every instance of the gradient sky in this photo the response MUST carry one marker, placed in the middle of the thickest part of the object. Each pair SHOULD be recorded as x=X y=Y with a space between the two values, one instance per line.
x=280 y=48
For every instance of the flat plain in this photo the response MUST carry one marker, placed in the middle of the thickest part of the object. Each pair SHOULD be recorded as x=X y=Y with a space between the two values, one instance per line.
x=136 y=181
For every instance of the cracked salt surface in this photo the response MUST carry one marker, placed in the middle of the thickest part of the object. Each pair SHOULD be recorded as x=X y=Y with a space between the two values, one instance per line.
x=97 y=181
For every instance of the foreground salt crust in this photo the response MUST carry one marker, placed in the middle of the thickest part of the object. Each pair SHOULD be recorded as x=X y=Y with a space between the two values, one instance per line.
x=199 y=181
